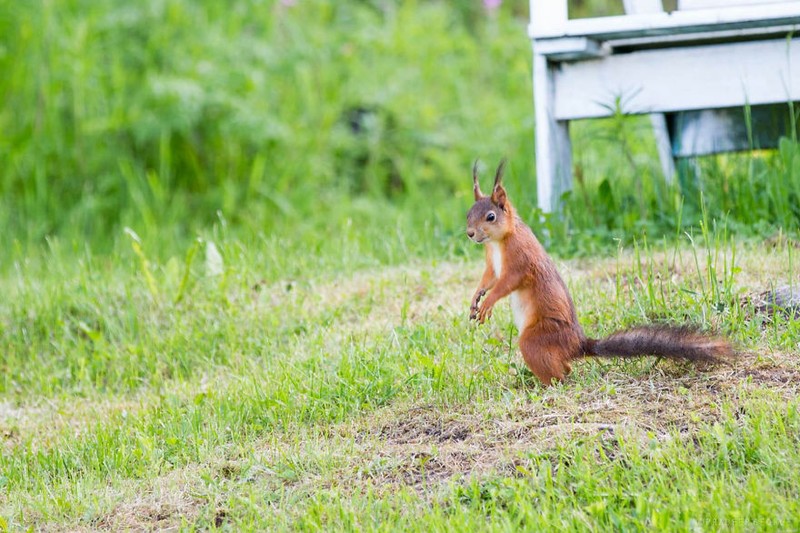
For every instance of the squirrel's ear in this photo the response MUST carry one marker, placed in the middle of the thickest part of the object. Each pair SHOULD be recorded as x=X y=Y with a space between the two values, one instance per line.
x=499 y=197
x=476 y=188
x=499 y=193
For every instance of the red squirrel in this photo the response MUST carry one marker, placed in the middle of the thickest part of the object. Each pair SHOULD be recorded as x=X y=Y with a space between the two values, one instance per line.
x=550 y=336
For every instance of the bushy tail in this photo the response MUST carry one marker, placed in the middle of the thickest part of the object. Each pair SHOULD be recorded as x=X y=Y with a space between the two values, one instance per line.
x=663 y=341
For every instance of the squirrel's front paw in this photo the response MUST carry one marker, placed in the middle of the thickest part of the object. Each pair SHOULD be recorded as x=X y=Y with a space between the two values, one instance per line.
x=483 y=314
x=473 y=309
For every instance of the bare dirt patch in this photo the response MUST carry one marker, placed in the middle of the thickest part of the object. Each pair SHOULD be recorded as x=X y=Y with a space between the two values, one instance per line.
x=421 y=446
x=427 y=463
x=772 y=376
x=422 y=425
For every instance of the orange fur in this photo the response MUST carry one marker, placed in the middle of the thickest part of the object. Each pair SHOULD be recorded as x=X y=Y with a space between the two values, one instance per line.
x=550 y=335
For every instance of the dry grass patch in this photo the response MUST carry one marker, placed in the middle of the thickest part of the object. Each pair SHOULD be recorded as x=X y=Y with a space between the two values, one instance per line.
x=389 y=292
x=39 y=422
x=163 y=504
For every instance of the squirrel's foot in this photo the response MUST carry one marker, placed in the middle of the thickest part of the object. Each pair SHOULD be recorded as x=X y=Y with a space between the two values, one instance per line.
x=474 y=309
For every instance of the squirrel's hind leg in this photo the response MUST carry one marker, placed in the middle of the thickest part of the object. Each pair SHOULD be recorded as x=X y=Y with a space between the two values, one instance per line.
x=547 y=353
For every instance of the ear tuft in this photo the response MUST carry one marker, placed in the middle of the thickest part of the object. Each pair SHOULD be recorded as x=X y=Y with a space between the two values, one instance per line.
x=499 y=196
x=501 y=168
x=476 y=188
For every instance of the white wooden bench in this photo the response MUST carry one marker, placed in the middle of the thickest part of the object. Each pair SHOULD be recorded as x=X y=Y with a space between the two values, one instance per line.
x=693 y=70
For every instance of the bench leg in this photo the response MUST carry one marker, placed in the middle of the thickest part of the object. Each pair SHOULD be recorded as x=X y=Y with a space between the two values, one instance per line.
x=664 y=146
x=553 y=147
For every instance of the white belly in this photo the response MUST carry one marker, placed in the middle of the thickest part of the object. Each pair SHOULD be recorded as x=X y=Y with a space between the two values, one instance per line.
x=518 y=310
x=497 y=259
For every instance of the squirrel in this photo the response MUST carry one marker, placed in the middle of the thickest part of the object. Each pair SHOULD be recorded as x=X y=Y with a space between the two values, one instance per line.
x=550 y=336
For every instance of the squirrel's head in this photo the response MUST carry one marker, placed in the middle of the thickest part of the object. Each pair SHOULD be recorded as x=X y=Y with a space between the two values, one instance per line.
x=490 y=218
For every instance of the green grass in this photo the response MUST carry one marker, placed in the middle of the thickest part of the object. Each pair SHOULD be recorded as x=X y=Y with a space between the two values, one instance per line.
x=208 y=396
x=224 y=307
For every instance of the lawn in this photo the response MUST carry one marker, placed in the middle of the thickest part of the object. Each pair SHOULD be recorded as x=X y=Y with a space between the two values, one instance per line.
x=211 y=397
x=236 y=284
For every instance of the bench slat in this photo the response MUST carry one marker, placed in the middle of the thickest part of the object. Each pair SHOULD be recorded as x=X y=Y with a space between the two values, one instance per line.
x=677 y=22
x=707 y=4
x=701 y=77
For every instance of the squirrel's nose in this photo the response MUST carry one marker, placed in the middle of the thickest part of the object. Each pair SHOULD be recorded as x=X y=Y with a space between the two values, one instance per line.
x=470 y=233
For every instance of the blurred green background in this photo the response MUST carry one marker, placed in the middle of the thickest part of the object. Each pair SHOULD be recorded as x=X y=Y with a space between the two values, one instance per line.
x=318 y=126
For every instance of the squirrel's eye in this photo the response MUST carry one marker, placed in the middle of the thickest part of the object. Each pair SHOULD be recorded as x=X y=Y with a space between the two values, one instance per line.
x=491 y=216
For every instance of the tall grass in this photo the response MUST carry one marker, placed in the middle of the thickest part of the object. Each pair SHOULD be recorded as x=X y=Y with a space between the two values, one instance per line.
x=308 y=124
x=164 y=114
